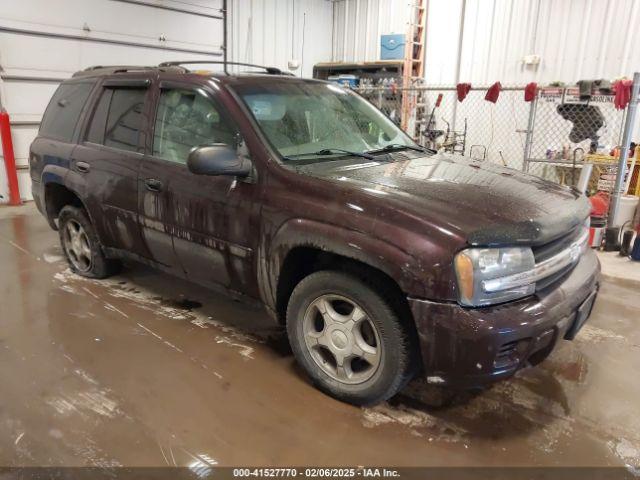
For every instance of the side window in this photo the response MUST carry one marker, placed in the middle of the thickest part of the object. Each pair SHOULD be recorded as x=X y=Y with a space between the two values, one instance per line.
x=117 y=119
x=60 y=118
x=98 y=124
x=186 y=119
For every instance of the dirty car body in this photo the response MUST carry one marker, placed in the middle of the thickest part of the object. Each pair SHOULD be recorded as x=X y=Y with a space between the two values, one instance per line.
x=436 y=232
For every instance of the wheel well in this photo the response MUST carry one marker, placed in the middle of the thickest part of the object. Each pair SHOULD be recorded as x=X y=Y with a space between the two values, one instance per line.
x=303 y=261
x=56 y=198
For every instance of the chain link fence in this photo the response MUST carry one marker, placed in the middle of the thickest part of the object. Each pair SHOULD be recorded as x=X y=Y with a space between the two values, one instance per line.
x=565 y=129
x=544 y=137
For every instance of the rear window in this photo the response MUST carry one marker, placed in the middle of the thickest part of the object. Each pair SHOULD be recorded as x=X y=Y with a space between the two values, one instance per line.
x=62 y=114
x=117 y=119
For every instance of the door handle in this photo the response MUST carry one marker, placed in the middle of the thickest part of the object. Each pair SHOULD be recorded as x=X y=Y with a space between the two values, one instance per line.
x=83 y=167
x=153 y=184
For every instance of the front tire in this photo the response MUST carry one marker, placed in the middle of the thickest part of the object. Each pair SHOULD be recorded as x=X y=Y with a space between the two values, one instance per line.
x=348 y=339
x=81 y=246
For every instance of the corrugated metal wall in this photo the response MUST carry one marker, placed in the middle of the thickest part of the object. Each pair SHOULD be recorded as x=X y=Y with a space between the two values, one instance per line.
x=358 y=24
x=273 y=32
x=576 y=39
x=39 y=39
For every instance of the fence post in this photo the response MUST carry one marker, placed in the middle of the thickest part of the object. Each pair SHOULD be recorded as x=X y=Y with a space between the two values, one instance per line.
x=529 y=138
x=624 y=147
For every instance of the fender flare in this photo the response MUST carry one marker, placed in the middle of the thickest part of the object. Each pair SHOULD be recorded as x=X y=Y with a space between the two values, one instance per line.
x=299 y=232
x=55 y=174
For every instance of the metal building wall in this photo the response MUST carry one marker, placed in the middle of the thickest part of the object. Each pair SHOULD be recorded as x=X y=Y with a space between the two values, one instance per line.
x=44 y=40
x=576 y=39
x=274 y=32
x=358 y=24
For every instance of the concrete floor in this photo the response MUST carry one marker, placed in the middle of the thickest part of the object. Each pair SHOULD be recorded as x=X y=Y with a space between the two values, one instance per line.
x=144 y=369
x=621 y=270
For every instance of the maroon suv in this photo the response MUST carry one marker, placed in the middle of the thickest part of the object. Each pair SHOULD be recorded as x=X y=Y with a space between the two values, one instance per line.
x=382 y=258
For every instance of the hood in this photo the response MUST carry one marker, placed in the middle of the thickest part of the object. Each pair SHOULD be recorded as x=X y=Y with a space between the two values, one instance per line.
x=485 y=203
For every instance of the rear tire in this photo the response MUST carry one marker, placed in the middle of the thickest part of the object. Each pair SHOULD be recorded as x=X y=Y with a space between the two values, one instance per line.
x=81 y=246
x=348 y=339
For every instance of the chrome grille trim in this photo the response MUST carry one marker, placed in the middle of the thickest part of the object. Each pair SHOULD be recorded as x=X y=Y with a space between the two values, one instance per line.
x=554 y=264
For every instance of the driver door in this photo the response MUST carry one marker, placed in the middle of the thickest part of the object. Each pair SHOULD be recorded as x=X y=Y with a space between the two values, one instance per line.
x=207 y=220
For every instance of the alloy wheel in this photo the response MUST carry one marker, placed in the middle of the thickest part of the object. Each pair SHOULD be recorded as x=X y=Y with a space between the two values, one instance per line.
x=77 y=246
x=341 y=339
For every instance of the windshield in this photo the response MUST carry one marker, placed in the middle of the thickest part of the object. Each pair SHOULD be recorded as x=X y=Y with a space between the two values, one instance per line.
x=313 y=121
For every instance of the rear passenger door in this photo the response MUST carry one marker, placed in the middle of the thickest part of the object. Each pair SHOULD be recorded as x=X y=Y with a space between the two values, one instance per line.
x=108 y=158
x=207 y=218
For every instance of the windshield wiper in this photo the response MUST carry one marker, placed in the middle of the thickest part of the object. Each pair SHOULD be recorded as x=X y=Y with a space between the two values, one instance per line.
x=396 y=146
x=329 y=151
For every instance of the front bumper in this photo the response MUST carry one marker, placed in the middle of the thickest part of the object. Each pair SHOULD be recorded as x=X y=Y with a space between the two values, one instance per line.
x=472 y=347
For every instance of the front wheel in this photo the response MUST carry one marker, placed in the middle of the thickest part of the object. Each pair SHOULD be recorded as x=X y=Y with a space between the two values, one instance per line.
x=348 y=339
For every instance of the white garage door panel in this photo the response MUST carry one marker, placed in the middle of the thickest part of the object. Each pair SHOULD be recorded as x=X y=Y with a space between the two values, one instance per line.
x=41 y=56
x=205 y=6
x=22 y=137
x=60 y=58
x=4 y=194
x=95 y=54
x=24 y=184
x=27 y=101
x=110 y=19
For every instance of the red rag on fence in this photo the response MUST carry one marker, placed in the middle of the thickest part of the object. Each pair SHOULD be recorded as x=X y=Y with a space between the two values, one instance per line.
x=530 y=91
x=493 y=92
x=463 y=90
x=622 y=90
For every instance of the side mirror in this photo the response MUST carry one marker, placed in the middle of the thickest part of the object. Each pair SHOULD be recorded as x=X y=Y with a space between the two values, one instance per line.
x=218 y=159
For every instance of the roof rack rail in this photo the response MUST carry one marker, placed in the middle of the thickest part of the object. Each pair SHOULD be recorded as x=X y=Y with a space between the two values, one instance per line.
x=116 y=69
x=269 y=70
x=111 y=69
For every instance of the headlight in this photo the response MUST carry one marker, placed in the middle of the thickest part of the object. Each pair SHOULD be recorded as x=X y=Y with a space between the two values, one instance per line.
x=486 y=275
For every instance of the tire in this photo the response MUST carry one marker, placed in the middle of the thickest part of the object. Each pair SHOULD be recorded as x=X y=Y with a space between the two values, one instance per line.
x=84 y=256
x=324 y=332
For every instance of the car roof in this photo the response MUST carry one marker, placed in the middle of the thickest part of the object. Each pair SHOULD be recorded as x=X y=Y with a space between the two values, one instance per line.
x=177 y=71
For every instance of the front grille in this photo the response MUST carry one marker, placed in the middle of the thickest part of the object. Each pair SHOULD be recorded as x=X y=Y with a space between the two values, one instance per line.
x=548 y=250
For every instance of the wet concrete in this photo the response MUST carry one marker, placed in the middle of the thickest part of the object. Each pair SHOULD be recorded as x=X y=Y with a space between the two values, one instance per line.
x=144 y=369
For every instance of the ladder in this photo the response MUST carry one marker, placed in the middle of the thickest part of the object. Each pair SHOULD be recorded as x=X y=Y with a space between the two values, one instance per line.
x=414 y=105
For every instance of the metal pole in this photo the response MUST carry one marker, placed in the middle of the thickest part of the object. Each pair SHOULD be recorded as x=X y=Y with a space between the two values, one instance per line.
x=458 y=62
x=624 y=148
x=529 y=138
x=225 y=16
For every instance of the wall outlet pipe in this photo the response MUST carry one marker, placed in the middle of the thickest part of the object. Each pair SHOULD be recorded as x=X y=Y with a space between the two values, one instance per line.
x=9 y=158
